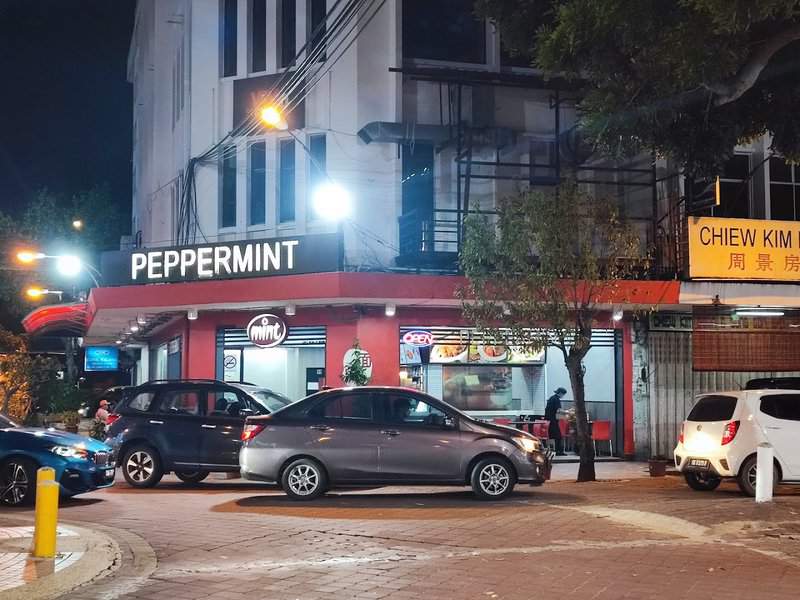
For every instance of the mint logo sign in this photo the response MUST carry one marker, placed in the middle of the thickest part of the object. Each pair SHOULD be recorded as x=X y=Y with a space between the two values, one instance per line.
x=267 y=331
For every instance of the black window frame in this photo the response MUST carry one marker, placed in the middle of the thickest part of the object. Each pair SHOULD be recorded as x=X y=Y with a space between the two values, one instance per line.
x=287 y=186
x=288 y=33
x=370 y=397
x=257 y=183
x=258 y=35
x=317 y=26
x=228 y=200
x=417 y=33
x=229 y=34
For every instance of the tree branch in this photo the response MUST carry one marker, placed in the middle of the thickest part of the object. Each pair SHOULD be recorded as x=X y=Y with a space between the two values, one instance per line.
x=733 y=89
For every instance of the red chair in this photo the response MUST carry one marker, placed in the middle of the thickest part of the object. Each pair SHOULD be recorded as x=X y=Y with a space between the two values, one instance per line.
x=502 y=421
x=601 y=432
x=563 y=426
x=540 y=429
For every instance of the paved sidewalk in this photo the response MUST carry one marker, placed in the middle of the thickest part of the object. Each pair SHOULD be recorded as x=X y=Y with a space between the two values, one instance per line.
x=631 y=537
x=83 y=555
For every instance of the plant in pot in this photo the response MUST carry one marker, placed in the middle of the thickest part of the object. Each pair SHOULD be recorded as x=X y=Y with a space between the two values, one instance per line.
x=657 y=465
x=71 y=419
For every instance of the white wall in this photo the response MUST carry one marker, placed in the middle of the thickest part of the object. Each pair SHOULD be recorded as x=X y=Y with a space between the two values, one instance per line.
x=599 y=381
x=282 y=370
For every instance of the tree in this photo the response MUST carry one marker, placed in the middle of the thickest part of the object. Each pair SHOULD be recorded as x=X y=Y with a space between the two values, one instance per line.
x=21 y=375
x=538 y=277
x=689 y=79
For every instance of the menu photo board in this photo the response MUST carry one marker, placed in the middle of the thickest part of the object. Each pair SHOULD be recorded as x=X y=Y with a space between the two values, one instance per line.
x=485 y=354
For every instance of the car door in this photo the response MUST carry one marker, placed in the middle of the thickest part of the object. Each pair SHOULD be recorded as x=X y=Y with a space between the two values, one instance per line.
x=179 y=421
x=346 y=435
x=420 y=440
x=224 y=412
x=779 y=416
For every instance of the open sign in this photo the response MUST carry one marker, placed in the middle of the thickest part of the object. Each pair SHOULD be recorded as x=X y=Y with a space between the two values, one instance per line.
x=421 y=339
x=266 y=331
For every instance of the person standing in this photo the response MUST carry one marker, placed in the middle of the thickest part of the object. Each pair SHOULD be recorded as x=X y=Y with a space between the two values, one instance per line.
x=551 y=415
x=102 y=412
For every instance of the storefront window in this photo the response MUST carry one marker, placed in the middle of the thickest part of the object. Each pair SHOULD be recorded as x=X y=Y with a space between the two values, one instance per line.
x=490 y=388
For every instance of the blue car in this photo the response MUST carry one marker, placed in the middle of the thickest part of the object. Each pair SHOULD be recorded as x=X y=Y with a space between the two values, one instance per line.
x=81 y=464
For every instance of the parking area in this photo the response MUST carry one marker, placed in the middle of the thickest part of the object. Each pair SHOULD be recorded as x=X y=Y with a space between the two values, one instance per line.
x=630 y=537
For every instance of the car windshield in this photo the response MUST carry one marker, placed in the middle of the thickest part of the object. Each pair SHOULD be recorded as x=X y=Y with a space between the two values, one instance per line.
x=6 y=423
x=270 y=400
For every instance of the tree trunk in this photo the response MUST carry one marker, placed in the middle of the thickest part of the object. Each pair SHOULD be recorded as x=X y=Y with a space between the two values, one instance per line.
x=583 y=435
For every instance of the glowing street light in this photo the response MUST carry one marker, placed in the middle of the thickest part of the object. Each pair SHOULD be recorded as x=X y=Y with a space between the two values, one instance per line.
x=27 y=257
x=272 y=116
x=332 y=202
x=69 y=265
x=36 y=293
x=77 y=224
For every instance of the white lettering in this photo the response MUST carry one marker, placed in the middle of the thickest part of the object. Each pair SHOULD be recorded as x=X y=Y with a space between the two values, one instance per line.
x=205 y=262
x=222 y=258
x=243 y=263
x=171 y=260
x=188 y=259
x=257 y=256
x=290 y=253
x=273 y=256
x=138 y=263
x=154 y=265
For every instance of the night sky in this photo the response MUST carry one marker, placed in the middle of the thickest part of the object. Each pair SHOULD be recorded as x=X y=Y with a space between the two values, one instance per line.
x=65 y=103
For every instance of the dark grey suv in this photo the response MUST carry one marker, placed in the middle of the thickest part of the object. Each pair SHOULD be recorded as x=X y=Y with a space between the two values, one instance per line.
x=385 y=436
x=191 y=427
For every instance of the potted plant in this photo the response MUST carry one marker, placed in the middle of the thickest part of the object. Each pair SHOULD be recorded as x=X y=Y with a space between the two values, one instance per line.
x=71 y=420
x=657 y=465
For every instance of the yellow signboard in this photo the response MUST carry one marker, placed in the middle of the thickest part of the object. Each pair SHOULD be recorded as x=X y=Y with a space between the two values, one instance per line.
x=744 y=249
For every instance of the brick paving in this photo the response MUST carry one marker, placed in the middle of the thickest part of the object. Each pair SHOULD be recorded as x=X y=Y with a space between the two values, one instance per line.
x=638 y=538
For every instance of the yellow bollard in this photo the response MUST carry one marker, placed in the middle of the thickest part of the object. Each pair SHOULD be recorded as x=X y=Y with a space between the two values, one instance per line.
x=46 y=519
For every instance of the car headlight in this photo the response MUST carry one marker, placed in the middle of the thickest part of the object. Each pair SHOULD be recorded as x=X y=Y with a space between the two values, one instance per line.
x=70 y=451
x=527 y=444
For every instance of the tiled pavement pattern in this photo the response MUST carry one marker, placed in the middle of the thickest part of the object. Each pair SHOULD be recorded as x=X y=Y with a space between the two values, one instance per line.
x=16 y=565
x=638 y=539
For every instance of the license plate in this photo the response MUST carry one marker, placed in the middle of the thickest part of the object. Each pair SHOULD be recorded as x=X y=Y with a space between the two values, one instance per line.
x=109 y=473
x=699 y=463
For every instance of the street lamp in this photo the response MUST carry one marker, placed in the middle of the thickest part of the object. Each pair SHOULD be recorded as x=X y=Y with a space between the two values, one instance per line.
x=77 y=224
x=27 y=257
x=332 y=202
x=36 y=293
x=271 y=115
x=68 y=265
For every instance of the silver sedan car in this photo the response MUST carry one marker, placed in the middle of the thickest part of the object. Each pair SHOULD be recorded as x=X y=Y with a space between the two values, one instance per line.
x=386 y=436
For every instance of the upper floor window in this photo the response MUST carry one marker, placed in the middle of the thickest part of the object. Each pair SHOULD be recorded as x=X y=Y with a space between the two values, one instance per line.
x=258 y=35
x=286 y=194
x=784 y=190
x=318 y=168
x=443 y=30
x=229 y=37
x=317 y=26
x=228 y=191
x=258 y=183
x=735 y=188
x=288 y=32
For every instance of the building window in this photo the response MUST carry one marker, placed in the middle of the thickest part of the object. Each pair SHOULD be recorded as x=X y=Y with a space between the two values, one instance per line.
x=735 y=188
x=229 y=42
x=443 y=30
x=318 y=11
x=286 y=182
x=784 y=190
x=318 y=148
x=228 y=204
x=417 y=182
x=258 y=183
x=288 y=32
x=258 y=35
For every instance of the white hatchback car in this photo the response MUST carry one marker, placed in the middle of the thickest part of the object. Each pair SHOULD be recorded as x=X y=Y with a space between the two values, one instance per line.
x=720 y=437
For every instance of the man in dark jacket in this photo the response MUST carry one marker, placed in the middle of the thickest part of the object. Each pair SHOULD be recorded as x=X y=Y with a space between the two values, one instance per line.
x=551 y=414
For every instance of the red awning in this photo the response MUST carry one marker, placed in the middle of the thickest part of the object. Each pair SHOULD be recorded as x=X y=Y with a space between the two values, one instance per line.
x=58 y=319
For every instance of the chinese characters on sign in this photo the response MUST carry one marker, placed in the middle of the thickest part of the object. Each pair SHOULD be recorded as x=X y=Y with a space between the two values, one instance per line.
x=744 y=249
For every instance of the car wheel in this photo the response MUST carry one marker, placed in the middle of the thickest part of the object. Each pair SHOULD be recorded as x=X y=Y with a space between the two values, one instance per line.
x=191 y=476
x=17 y=482
x=304 y=479
x=747 y=476
x=493 y=479
x=141 y=466
x=702 y=482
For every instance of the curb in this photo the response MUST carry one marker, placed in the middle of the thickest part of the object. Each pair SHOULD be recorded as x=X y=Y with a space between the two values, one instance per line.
x=102 y=557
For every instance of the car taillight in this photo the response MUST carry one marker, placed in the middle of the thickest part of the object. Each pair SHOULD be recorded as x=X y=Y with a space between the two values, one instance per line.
x=730 y=432
x=250 y=431
x=112 y=418
x=680 y=435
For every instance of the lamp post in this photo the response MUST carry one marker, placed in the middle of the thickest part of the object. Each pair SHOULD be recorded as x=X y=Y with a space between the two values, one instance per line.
x=36 y=293
x=68 y=265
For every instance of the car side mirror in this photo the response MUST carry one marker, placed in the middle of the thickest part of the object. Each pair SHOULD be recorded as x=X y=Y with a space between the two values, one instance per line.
x=448 y=423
